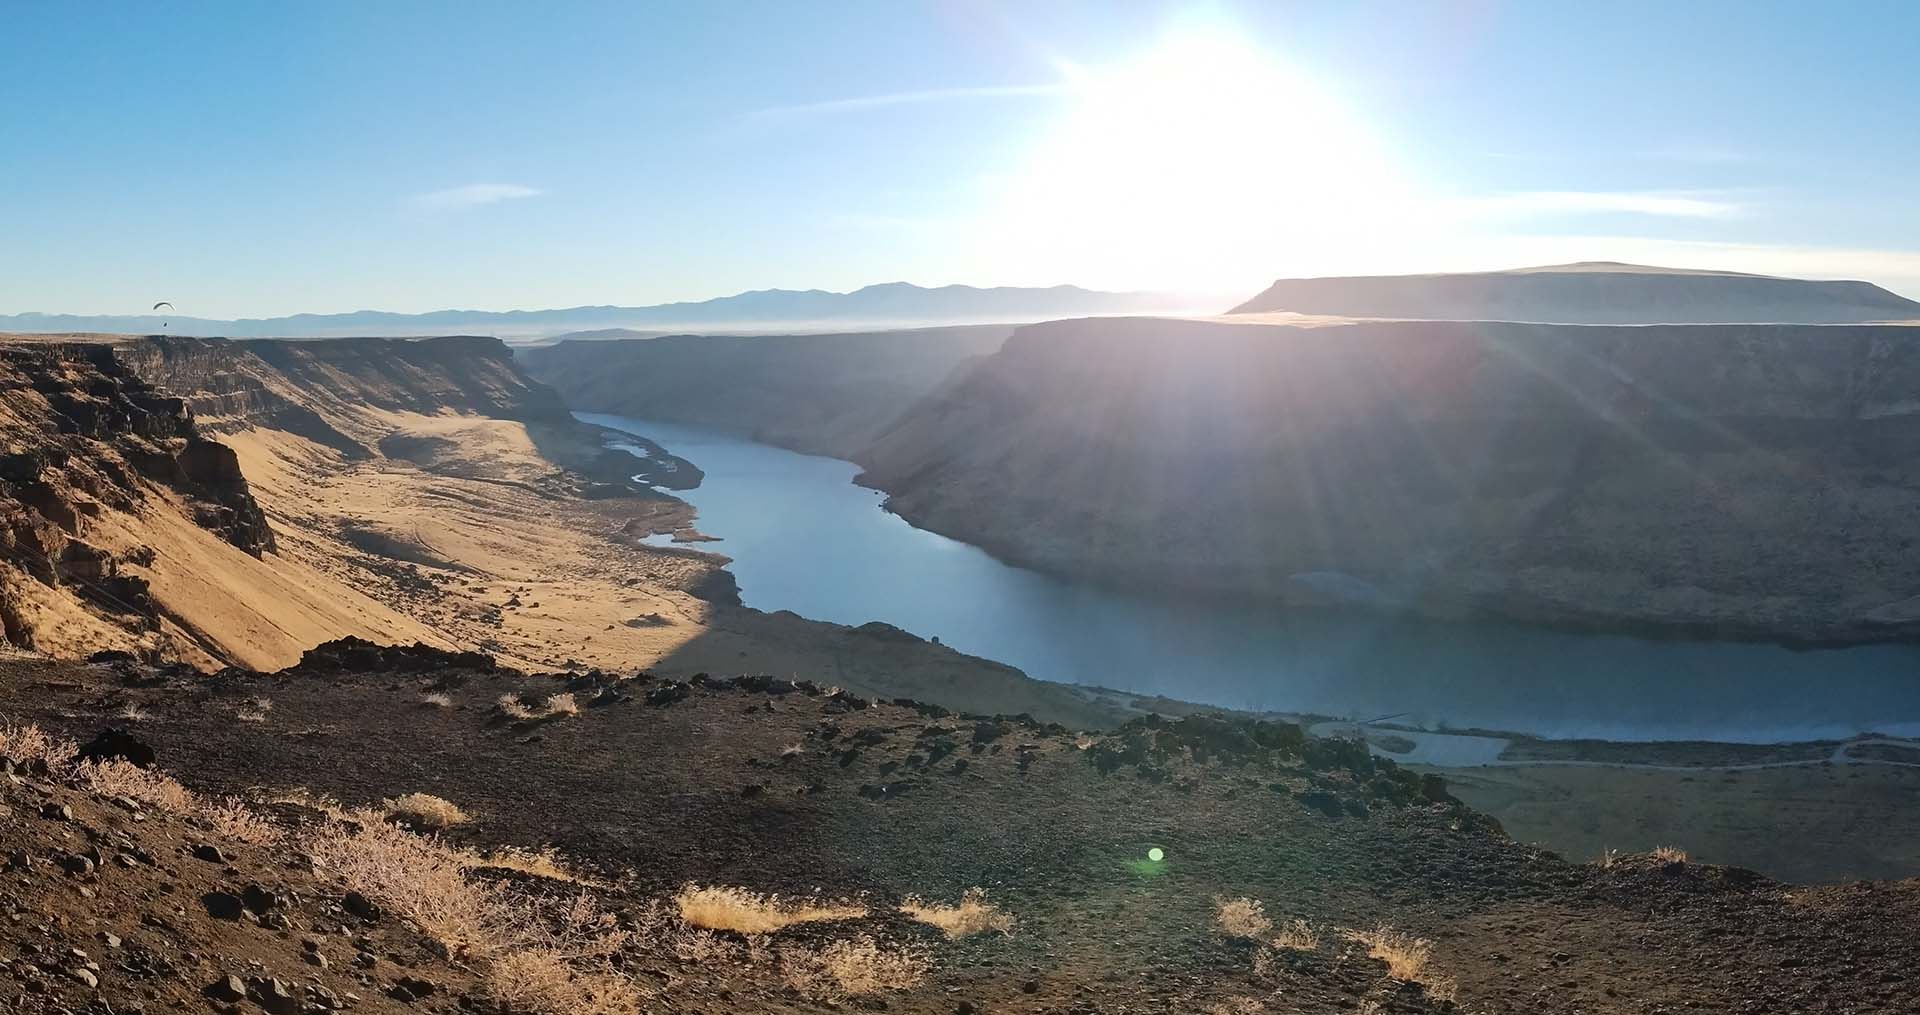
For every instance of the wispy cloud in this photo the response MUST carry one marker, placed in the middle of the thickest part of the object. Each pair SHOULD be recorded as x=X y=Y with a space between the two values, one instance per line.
x=864 y=102
x=473 y=195
x=1663 y=204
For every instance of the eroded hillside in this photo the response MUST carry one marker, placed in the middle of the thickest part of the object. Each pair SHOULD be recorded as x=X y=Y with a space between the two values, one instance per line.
x=1745 y=480
x=128 y=528
x=399 y=491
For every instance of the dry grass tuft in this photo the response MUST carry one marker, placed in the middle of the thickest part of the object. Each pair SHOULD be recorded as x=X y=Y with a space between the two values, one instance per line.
x=974 y=915
x=1669 y=854
x=553 y=706
x=437 y=699
x=545 y=863
x=791 y=751
x=1242 y=918
x=251 y=715
x=1407 y=957
x=745 y=912
x=1297 y=936
x=1608 y=858
x=425 y=811
x=1237 y=1006
x=131 y=712
x=855 y=967
x=511 y=706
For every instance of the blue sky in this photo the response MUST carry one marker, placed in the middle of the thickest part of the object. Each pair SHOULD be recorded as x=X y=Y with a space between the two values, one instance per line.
x=254 y=159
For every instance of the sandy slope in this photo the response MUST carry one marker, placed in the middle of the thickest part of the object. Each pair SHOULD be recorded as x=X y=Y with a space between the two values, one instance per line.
x=541 y=580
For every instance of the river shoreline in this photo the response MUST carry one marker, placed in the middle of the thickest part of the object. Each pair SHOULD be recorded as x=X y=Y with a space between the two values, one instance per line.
x=1438 y=608
x=1314 y=660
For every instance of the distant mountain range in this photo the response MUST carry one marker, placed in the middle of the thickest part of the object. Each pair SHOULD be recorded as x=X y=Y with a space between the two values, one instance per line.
x=1590 y=292
x=889 y=305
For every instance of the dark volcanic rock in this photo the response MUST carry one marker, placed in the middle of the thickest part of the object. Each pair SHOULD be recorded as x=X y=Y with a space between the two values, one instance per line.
x=118 y=743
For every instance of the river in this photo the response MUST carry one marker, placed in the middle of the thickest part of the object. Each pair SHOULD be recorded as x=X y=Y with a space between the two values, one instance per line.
x=804 y=538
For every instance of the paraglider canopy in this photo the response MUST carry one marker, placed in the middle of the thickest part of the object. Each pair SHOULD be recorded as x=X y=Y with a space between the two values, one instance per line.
x=163 y=303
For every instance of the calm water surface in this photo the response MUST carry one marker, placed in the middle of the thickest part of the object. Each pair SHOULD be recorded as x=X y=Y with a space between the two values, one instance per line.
x=804 y=538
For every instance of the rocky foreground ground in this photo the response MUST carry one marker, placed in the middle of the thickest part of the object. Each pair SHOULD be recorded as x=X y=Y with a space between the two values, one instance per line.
x=583 y=811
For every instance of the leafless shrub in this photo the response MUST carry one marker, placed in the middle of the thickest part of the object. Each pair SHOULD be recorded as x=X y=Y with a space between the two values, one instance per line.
x=745 y=912
x=854 y=967
x=416 y=876
x=1669 y=854
x=118 y=777
x=1608 y=858
x=425 y=811
x=1241 y=918
x=541 y=958
x=233 y=818
x=974 y=915
x=561 y=704
x=1237 y=1006
x=28 y=744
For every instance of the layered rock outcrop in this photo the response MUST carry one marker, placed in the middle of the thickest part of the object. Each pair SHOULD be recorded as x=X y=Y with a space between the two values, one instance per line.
x=84 y=438
x=325 y=390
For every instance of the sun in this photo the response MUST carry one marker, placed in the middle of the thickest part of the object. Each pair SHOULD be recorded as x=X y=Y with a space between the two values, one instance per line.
x=1206 y=162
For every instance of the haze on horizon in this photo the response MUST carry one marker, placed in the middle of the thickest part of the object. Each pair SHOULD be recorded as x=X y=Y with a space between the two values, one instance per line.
x=244 y=161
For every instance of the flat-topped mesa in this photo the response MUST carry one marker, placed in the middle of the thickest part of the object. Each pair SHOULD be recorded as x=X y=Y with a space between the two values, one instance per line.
x=1737 y=480
x=1592 y=292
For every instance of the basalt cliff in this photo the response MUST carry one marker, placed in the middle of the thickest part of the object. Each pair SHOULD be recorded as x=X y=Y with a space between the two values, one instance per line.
x=1731 y=480
x=95 y=460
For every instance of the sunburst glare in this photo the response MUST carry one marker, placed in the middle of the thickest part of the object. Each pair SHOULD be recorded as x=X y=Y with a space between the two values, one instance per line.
x=1206 y=159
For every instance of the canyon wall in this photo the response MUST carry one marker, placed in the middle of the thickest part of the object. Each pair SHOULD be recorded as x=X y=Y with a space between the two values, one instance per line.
x=819 y=394
x=333 y=390
x=89 y=450
x=128 y=521
x=1736 y=480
